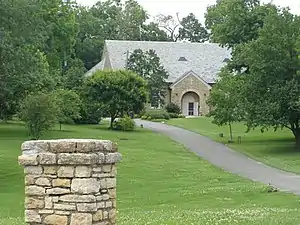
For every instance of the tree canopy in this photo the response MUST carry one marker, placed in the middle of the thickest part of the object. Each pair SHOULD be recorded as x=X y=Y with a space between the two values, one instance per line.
x=147 y=64
x=266 y=79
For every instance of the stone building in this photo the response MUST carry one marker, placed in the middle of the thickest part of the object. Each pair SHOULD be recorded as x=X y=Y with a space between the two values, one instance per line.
x=192 y=68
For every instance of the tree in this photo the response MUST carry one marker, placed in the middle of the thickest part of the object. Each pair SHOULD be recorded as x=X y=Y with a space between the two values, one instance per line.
x=272 y=87
x=148 y=66
x=68 y=103
x=39 y=111
x=192 y=30
x=188 y=28
x=118 y=92
x=225 y=100
x=269 y=68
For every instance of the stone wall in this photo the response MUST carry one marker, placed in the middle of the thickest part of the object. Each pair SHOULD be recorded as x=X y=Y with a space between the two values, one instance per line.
x=191 y=83
x=70 y=182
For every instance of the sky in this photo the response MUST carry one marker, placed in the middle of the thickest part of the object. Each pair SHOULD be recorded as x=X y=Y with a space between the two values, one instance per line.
x=198 y=7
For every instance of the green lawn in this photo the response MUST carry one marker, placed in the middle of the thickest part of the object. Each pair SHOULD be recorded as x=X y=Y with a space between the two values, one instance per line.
x=273 y=148
x=159 y=183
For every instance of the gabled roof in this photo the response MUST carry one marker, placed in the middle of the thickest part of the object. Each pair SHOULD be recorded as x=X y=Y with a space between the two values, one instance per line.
x=191 y=72
x=204 y=59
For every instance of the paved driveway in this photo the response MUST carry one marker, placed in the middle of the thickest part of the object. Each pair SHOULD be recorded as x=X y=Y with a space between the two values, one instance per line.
x=227 y=159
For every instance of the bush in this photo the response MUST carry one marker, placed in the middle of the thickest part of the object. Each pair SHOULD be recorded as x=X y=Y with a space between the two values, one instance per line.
x=173 y=108
x=157 y=114
x=144 y=117
x=39 y=112
x=90 y=113
x=173 y=115
x=181 y=116
x=124 y=124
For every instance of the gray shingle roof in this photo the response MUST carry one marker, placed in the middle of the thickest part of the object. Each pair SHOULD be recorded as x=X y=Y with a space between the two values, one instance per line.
x=205 y=59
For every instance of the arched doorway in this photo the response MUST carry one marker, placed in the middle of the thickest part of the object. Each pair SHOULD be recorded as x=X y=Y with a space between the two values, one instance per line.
x=190 y=104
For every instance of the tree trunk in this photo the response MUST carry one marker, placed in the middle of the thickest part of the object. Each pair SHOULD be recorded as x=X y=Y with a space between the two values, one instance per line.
x=296 y=133
x=60 y=126
x=112 y=119
x=230 y=130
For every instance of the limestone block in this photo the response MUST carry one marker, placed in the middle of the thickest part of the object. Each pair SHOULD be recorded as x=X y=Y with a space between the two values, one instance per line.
x=112 y=213
x=28 y=160
x=85 y=186
x=58 y=191
x=42 y=181
x=104 y=197
x=29 y=180
x=77 y=159
x=97 y=169
x=112 y=158
x=100 y=205
x=32 y=216
x=57 y=212
x=34 y=191
x=84 y=146
x=83 y=171
x=112 y=193
x=34 y=203
x=35 y=170
x=61 y=146
x=65 y=172
x=108 y=183
x=98 y=216
x=52 y=170
x=68 y=207
x=78 y=198
x=87 y=207
x=47 y=158
x=61 y=183
x=48 y=202
x=35 y=147
x=105 y=215
x=81 y=219
x=46 y=211
x=56 y=220
x=106 y=168
x=108 y=204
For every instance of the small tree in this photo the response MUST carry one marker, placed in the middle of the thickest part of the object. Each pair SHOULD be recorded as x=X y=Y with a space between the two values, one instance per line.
x=173 y=108
x=118 y=92
x=39 y=112
x=68 y=103
x=224 y=100
x=148 y=66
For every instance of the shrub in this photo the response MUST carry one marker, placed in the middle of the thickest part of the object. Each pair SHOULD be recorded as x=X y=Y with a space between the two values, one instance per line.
x=157 y=114
x=181 y=116
x=144 y=117
x=39 y=112
x=149 y=118
x=173 y=108
x=173 y=115
x=124 y=124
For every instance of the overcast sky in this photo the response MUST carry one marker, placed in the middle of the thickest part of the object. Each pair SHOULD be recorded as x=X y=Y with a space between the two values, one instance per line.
x=184 y=7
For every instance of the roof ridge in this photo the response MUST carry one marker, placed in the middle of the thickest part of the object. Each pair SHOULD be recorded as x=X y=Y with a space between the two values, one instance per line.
x=165 y=42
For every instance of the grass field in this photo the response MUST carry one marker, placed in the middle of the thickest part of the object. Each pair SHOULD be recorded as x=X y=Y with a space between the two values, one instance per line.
x=159 y=183
x=273 y=148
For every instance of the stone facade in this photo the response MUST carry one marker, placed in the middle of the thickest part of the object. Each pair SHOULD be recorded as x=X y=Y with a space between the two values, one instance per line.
x=70 y=182
x=193 y=84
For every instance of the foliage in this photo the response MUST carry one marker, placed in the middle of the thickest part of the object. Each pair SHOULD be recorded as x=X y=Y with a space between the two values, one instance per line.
x=113 y=20
x=39 y=111
x=69 y=104
x=90 y=113
x=188 y=28
x=147 y=64
x=265 y=57
x=118 y=91
x=173 y=108
x=173 y=115
x=124 y=124
x=157 y=114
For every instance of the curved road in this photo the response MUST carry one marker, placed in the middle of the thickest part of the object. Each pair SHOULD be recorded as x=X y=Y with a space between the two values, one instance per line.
x=227 y=159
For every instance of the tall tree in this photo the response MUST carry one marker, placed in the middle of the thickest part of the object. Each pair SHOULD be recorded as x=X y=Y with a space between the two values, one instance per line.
x=188 y=28
x=118 y=92
x=147 y=64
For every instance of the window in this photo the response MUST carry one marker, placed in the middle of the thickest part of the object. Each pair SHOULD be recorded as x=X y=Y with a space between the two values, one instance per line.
x=182 y=59
x=191 y=108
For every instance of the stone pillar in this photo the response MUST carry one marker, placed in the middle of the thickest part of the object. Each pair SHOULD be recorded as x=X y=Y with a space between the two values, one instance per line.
x=70 y=182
